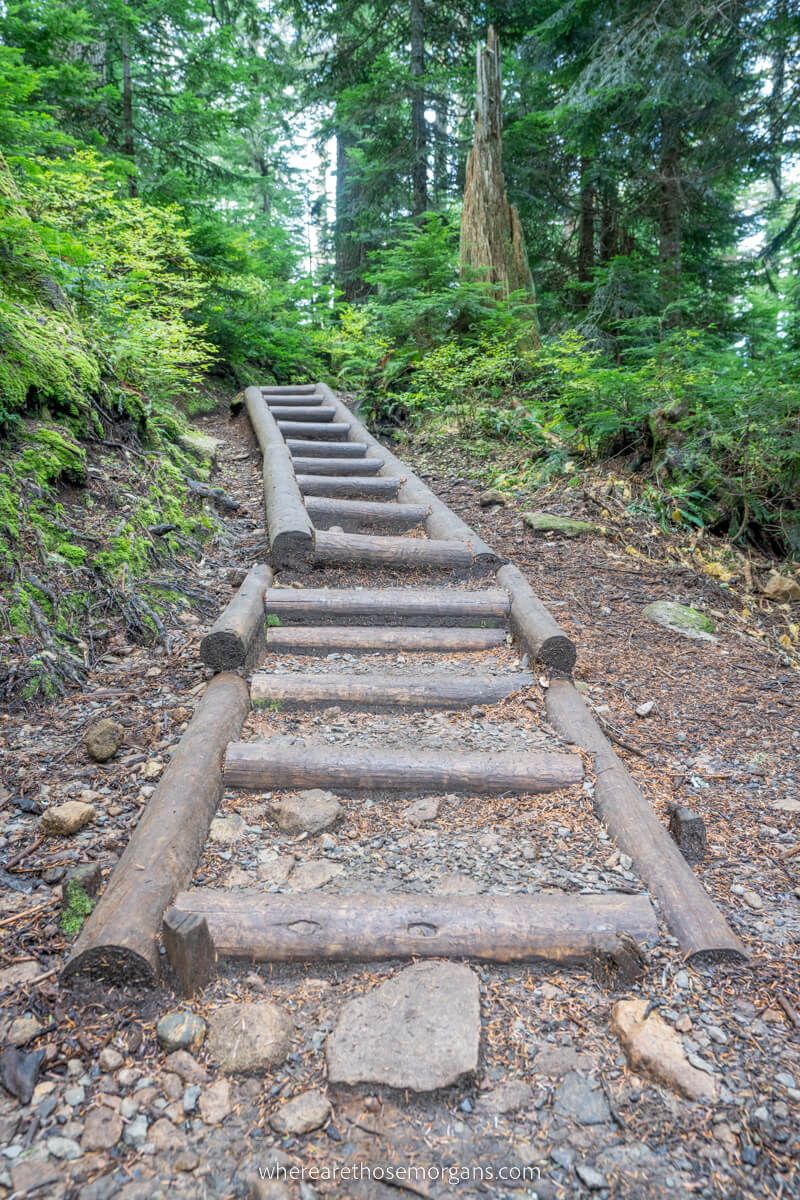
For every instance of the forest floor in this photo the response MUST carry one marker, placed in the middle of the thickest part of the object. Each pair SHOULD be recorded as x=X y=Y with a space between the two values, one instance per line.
x=114 y=1115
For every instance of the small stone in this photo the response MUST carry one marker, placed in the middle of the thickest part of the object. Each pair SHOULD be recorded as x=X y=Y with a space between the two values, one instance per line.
x=752 y=900
x=135 y=1133
x=557 y=1061
x=786 y=804
x=275 y=868
x=215 y=1102
x=307 y=812
x=152 y=769
x=110 y=1059
x=165 y=1136
x=507 y=1097
x=88 y=877
x=684 y=1024
x=581 y=1100
x=305 y=1112
x=781 y=588
x=249 y=1037
x=453 y=883
x=67 y=818
x=186 y=1161
x=24 y=1029
x=226 y=830
x=420 y=811
x=190 y=1097
x=64 y=1148
x=590 y=1178
x=654 y=1048
x=490 y=498
x=103 y=739
x=419 y=1030
x=102 y=1129
x=542 y=522
x=237 y=878
x=19 y=974
x=181 y=1031
x=181 y=1063
x=680 y=618
x=315 y=873
x=644 y=710
x=74 y=1096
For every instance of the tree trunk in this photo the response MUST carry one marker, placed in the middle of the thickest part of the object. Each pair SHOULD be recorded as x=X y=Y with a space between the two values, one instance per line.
x=128 y=145
x=777 y=121
x=349 y=249
x=440 y=163
x=419 y=131
x=608 y=223
x=492 y=241
x=669 y=216
x=586 y=230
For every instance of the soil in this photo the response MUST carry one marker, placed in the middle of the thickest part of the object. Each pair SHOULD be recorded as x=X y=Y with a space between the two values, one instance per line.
x=721 y=739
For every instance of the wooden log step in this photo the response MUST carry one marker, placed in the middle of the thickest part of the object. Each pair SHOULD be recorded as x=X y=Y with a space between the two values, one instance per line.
x=265 y=766
x=352 y=486
x=312 y=449
x=237 y=636
x=287 y=412
x=367 y=549
x=380 y=690
x=289 y=389
x=355 y=515
x=330 y=430
x=390 y=606
x=263 y=927
x=335 y=466
x=289 y=401
x=371 y=639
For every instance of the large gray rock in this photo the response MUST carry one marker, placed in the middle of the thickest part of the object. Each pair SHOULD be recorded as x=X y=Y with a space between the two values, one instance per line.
x=306 y=812
x=680 y=618
x=419 y=1030
x=249 y=1037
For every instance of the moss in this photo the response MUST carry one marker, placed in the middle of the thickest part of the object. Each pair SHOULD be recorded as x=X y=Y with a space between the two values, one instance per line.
x=77 y=906
x=272 y=620
x=50 y=456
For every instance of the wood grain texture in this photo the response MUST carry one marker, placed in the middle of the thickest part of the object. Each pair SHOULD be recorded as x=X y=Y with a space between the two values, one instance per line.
x=289 y=528
x=307 y=446
x=289 y=401
x=237 y=636
x=354 y=516
x=368 y=639
x=381 y=690
x=263 y=765
x=391 y=604
x=315 y=430
x=384 y=550
x=353 y=487
x=118 y=943
x=335 y=466
x=559 y=928
x=310 y=413
x=289 y=389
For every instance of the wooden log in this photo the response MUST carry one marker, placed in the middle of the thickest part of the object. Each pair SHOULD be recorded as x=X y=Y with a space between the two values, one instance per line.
x=534 y=626
x=356 y=515
x=237 y=636
x=289 y=389
x=367 y=549
x=289 y=528
x=190 y=950
x=290 y=401
x=331 y=430
x=692 y=917
x=264 y=927
x=263 y=765
x=349 y=486
x=369 y=639
x=688 y=831
x=118 y=943
x=309 y=448
x=310 y=413
x=442 y=522
x=382 y=690
x=418 y=606
x=335 y=466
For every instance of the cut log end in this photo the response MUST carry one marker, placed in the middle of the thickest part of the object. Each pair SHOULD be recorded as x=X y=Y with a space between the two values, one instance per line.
x=559 y=654
x=291 y=548
x=116 y=965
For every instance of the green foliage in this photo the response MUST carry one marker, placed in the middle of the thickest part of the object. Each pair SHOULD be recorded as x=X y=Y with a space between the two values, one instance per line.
x=77 y=907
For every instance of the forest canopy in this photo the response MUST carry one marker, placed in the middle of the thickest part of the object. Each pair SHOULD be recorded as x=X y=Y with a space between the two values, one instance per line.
x=272 y=191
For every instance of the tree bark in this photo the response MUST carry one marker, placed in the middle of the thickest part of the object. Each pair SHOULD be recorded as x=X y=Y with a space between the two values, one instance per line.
x=419 y=132
x=128 y=143
x=669 y=216
x=492 y=241
x=349 y=250
x=441 y=169
x=588 y=197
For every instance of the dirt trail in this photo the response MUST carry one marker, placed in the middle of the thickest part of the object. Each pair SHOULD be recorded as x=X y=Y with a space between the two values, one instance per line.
x=553 y=1109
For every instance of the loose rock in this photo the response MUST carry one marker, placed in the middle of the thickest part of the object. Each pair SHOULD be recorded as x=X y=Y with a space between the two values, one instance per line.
x=308 y=1111
x=419 y=1030
x=581 y=1100
x=652 y=1047
x=103 y=739
x=309 y=876
x=181 y=1031
x=67 y=818
x=102 y=1130
x=249 y=1037
x=307 y=812
x=226 y=830
x=425 y=809
x=215 y=1102
x=680 y=618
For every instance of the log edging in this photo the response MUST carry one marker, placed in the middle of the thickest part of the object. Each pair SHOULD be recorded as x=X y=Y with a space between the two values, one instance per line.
x=237 y=636
x=289 y=528
x=119 y=943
